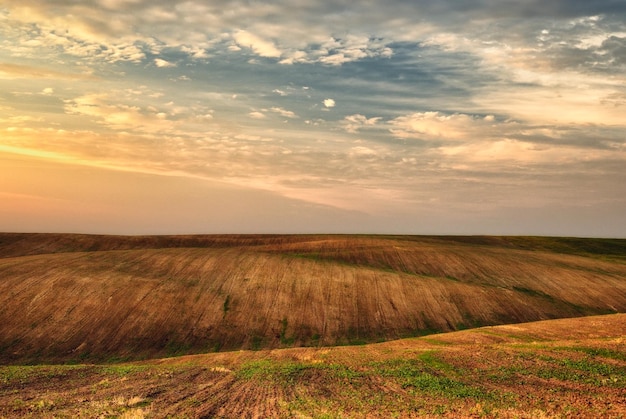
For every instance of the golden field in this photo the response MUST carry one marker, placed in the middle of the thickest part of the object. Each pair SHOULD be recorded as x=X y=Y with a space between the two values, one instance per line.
x=249 y=326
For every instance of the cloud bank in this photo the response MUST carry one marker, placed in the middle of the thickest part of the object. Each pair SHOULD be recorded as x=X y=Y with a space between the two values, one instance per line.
x=451 y=110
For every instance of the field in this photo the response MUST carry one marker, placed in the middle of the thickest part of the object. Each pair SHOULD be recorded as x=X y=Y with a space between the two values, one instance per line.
x=556 y=368
x=249 y=326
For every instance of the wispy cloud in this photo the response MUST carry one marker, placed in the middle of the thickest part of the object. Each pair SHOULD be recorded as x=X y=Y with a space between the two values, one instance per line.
x=283 y=112
x=352 y=123
x=389 y=107
x=256 y=115
x=439 y=126
x=18 y=71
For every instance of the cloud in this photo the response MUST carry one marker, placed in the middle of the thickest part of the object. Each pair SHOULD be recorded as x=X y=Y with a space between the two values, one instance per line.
x=163 y=63
x=18 y=71
x=283 y=112
x=353 y=48
x=336 y=51
x=440 y=126
x=352 y=123
x=255 y=43
x=100 y=31
x=442 y=94
x=130 y=31
x=109 y=110
x=360 y=151
x=293 y=57
x=256 y=115
x=195 y=52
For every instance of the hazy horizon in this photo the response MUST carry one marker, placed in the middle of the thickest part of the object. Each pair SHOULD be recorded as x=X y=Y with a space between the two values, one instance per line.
x=435 y=117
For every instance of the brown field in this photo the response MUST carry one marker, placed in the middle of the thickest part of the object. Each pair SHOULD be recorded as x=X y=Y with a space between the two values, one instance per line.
x=570 y=368
x=111 y=325
x=100 y=298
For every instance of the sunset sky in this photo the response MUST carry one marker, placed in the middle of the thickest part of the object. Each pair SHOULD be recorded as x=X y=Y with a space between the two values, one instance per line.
x=300 y=116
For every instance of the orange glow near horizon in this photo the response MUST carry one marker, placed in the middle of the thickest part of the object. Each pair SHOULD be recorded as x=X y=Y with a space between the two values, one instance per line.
x=198 y=117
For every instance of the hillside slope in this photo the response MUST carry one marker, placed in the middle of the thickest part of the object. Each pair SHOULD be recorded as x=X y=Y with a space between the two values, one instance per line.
x=568 y=368
x=65 y=297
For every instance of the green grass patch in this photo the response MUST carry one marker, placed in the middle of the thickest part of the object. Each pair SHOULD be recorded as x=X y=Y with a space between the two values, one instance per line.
x=22 y=373
x=122 y=370
x=595 y=352
x=267 y=370
x=612 y=248
x=433 y=362
x=173 y=349
x=13 y=373
x=226 y=305
x=515 y=336
x=588 y=370
x=428 y=374
x=533 y=293
x=284 y=339
x=288 y=373
x=311 y=256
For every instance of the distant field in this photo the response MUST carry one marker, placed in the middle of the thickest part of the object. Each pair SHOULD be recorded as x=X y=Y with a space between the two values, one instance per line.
x=552 y=369
x=81 y=298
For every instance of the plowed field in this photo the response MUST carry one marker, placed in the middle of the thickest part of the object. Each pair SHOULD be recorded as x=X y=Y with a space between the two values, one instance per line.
x=66 y=298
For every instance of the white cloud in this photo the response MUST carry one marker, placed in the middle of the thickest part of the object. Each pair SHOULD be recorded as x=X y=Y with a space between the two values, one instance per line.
x=315 y=122
x=163 y=63
x=352 y=48
x=335 y=59
x=110 y=111
x=437 y=125
x=352 y=123
x=195 y=52
x=296 y=57
x=329 y=103
x=256 y=115
x=283 y=112
x=469 y=155
x=255 y=43
x=337 y=51
x=47 y=91
x=360 y=151
x=17 y=71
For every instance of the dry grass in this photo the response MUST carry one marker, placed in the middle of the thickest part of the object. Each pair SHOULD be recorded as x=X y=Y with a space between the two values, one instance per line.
x=99 y=298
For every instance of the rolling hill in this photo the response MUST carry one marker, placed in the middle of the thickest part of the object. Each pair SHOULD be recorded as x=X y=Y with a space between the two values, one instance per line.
x=550 y=369
x=82 y=298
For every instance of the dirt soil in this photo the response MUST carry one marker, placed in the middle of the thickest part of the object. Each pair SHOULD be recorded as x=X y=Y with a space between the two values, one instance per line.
x=571 y=368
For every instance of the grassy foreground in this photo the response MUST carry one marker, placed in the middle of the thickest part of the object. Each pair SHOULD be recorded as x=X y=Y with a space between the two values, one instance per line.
x=556 y=368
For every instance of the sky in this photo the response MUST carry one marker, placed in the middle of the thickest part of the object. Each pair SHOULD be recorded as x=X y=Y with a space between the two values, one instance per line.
x=302 y=116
